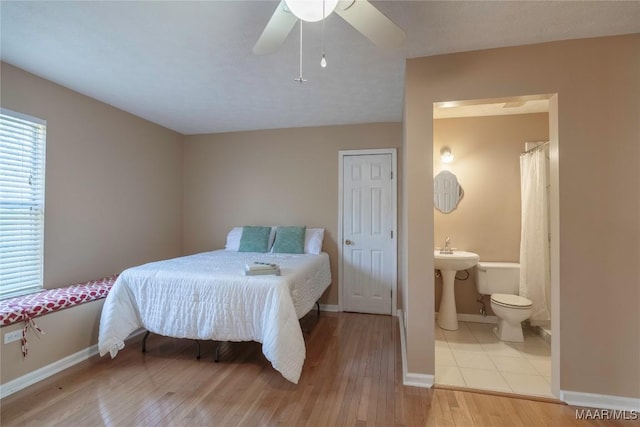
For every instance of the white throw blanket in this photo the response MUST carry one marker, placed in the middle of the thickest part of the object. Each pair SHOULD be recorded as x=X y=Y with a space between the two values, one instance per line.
x=208 y=297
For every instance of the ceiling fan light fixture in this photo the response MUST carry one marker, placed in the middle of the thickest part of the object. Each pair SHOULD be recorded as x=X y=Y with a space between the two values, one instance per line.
x=311 y=10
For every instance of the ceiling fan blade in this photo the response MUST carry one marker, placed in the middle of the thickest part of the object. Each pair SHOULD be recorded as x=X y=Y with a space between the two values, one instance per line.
x=276 y=31
x=372 y=23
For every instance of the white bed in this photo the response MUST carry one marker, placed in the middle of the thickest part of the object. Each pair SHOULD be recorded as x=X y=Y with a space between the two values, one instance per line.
x=207 y=296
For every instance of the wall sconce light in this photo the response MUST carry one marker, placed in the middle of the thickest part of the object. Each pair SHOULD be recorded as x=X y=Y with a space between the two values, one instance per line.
x=445 y=155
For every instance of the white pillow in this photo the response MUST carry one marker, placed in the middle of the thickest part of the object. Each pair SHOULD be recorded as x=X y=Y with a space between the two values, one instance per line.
x=234 y=236
x=272 y=238
x=313 y=240
x=233 y=239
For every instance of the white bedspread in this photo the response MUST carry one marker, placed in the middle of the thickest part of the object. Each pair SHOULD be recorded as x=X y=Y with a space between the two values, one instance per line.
x=208 y=297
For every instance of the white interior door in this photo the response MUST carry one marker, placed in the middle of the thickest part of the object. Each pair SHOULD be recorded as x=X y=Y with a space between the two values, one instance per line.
x=368 y=241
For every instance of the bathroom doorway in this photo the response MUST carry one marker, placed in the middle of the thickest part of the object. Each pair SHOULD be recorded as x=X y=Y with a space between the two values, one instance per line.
x=483 y=140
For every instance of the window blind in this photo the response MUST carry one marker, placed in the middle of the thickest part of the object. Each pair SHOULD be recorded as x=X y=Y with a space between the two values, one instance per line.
x=22 y=163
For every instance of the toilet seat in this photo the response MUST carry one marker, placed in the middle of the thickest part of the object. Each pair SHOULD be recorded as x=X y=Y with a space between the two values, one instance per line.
x=511 y=301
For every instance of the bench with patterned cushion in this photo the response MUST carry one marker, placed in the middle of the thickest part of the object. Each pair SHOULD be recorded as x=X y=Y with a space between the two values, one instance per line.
x=27 y=307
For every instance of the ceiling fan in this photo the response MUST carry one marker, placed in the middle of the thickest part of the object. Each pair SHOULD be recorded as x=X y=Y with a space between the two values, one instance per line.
x=361 y=14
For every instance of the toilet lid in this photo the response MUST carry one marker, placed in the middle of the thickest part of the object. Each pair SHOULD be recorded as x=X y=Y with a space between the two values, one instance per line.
x=514 y=301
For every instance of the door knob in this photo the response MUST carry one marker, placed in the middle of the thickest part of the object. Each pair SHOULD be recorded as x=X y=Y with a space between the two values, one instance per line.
x=348 y=242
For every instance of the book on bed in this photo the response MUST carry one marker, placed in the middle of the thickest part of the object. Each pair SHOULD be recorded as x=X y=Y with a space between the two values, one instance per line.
x=261 y=268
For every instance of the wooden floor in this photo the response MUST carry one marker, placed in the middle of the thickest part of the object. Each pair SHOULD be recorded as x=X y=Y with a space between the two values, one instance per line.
x=352 y=376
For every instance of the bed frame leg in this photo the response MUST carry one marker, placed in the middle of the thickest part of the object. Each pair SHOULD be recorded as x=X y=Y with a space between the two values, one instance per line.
x=318 y=308
x=198 y=346
x=217 y=357
x=144 y=342
x=144 y=345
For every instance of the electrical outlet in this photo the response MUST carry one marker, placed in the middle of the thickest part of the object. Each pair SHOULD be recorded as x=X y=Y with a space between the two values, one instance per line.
x=12 y=336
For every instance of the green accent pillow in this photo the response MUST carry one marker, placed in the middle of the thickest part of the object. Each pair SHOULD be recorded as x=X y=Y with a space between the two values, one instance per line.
x=254 y=239
x=289 y=240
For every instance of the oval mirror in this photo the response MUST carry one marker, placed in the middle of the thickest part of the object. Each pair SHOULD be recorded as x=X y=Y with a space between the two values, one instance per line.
x=447 y=192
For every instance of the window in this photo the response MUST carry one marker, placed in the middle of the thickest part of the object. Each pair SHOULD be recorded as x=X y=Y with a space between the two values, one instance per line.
x=22 y=155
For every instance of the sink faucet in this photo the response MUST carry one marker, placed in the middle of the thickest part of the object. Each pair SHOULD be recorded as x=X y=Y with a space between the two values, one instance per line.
x=446 y=249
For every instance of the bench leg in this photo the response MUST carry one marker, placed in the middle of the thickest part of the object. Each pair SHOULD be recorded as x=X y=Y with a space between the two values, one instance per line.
x=318 y=308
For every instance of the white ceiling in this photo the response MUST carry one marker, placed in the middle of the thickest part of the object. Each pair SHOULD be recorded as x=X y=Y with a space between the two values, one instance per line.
x=189 y=66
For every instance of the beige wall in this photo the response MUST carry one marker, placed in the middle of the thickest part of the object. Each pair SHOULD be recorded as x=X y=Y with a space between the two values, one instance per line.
x=599 y=186
x=113 y=198
x=66 y=332
x=487 y=164
x=271 y=177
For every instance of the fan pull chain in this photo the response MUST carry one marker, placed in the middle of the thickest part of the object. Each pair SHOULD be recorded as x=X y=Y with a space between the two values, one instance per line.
x=323 y=61
x=300 y=79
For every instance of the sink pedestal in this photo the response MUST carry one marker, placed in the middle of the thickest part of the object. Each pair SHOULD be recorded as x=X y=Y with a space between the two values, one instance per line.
x=448 y=315
x=449 y=263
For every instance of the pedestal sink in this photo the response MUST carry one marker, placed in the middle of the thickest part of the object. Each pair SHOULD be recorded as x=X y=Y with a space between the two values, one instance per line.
x=449 y=264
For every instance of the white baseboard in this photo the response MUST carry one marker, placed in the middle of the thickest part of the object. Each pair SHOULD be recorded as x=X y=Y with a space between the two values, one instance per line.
x=600 y=401
x=474 y=318
x=590 y=400
x=329 y=307
x=411 y=378
x=52 y=369
x=418 y=380
x=47 y=371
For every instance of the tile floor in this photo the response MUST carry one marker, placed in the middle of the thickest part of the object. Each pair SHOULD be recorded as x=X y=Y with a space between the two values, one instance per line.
x=474 y=357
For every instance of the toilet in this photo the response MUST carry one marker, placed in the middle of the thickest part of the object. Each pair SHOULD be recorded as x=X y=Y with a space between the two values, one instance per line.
x=501 y=280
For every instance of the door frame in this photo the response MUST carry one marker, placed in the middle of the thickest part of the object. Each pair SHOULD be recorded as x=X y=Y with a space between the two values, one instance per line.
x=394 y=220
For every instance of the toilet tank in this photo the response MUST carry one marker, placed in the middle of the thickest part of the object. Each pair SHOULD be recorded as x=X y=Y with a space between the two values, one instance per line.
x=498 y=278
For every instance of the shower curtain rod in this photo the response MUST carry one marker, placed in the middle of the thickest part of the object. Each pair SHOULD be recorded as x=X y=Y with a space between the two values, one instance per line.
x=537 y=147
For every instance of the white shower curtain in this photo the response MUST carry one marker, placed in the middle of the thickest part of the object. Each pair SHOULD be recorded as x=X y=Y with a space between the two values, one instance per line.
x=535 y=277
